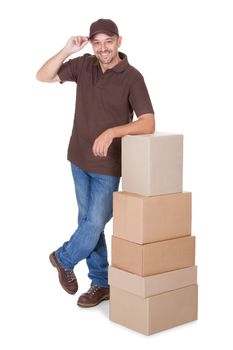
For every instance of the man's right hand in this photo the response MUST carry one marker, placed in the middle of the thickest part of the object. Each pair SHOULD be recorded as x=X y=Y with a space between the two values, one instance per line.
x=75 y=44
x=48 y=72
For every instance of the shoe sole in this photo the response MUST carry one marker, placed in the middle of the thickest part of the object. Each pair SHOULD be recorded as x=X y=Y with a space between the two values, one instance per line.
x=91 y=305
x=54 y=263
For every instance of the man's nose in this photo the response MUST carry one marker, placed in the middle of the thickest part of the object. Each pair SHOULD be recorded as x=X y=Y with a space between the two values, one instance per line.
x=102 y=47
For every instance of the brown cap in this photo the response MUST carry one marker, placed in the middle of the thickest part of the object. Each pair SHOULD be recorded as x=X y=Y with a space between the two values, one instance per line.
x=105 y=26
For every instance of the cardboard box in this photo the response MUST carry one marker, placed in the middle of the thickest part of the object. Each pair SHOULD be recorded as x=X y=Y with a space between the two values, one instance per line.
x=143 y=219
x=152 y=285
x=152 y=258
x=152 y=164
x=156 y=313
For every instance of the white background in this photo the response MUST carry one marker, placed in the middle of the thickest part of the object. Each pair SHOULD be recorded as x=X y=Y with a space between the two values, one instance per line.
x=184 y=50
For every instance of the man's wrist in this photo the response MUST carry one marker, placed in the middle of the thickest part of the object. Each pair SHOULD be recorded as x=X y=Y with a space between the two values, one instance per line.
x=65 y=53
x=113 y=132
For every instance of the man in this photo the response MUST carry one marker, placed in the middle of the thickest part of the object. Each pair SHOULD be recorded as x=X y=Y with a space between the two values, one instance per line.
x=109 y=90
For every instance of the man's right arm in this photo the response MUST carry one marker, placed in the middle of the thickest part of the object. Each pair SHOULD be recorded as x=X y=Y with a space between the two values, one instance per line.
x=48 y=72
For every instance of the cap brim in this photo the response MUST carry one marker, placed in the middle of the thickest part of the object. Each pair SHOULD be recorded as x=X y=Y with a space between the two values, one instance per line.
x=102 y=32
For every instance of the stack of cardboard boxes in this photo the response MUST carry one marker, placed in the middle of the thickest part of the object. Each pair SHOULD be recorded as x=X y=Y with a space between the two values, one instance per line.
x=153 y=277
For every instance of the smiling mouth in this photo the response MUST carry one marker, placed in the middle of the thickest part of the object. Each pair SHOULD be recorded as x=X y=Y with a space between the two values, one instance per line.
x=104 y=53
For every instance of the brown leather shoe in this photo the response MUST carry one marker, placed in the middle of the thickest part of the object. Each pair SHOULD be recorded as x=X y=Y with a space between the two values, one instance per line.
x=67 y=277
x=93 y=296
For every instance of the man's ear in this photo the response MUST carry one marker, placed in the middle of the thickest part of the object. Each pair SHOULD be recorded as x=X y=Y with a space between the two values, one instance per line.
x=119 y=40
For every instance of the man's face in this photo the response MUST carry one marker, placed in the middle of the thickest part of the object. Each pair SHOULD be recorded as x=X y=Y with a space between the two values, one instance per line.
x=106 y=47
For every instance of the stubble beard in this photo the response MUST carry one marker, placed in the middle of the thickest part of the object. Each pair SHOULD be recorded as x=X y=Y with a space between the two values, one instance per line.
x=109 y=58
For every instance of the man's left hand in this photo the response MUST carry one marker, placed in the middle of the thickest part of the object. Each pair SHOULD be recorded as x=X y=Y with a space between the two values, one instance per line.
x=102 y=143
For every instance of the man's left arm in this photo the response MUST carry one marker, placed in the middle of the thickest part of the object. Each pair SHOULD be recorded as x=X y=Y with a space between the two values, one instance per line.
x=145 y=124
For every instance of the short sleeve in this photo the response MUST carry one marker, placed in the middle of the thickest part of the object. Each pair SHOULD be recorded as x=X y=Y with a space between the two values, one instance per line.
x=139 y=97
x=70 y=70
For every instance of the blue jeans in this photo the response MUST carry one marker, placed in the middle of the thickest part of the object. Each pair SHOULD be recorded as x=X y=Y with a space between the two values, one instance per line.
x=94 y=193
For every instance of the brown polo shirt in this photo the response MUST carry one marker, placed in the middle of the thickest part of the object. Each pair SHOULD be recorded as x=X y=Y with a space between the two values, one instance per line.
x=103 y=100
